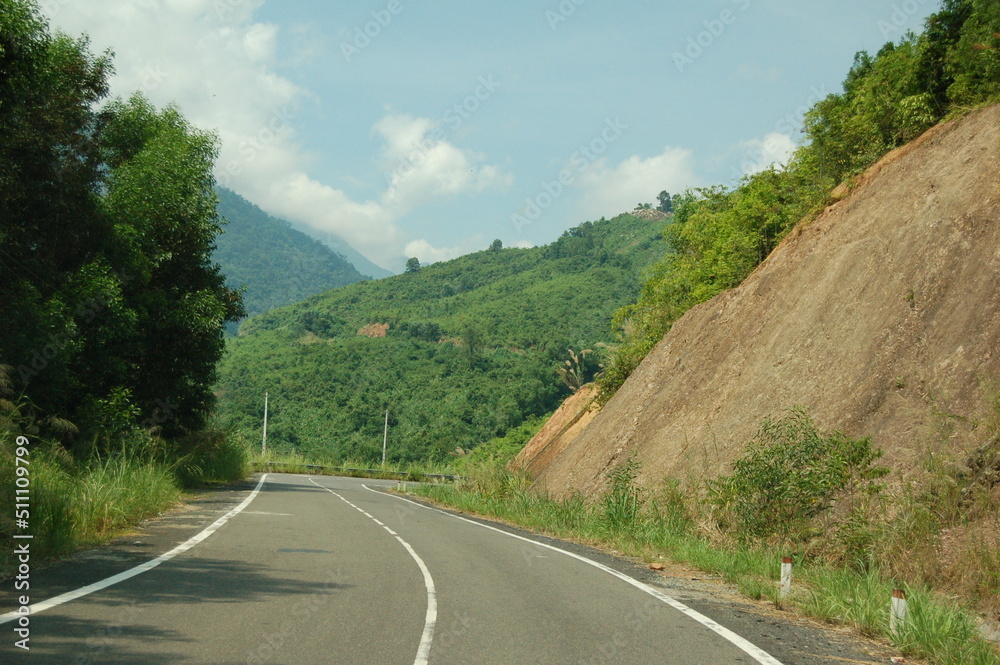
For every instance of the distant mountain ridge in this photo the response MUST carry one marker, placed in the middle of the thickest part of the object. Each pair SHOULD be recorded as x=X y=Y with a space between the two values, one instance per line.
x=340 y=246
x=277 y=264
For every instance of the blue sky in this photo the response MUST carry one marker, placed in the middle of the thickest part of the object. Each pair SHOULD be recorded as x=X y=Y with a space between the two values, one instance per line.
x=419 y=128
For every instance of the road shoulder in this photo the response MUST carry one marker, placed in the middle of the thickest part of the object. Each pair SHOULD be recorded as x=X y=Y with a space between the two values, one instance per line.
x=144 y=542
x=791 y=638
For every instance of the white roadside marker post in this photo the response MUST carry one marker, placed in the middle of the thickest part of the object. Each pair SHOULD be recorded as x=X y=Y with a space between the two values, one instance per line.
x=786 y=577
x=897 y=615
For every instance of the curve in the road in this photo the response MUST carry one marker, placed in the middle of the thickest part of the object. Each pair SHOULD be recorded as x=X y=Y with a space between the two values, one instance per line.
x=430 y=619
x=423 y=650
x=742 y=643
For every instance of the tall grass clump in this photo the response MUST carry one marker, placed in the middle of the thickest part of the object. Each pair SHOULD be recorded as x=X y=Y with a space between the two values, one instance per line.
x=623 y=501
x=80 y=501
x=75 y=504
x=213 y=455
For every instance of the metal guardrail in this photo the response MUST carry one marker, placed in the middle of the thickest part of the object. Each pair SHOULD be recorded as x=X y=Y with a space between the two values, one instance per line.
x=406 y=475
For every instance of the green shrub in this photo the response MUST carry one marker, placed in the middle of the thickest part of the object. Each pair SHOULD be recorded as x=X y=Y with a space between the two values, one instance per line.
x=213 y=455
x=790 y=473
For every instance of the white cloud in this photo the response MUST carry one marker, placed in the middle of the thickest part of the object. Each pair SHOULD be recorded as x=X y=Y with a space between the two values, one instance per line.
x=775 y=149
x=365 y=225
x=260 y=42
x=524 y=244
x=218 y=65
x=610 y=190
x=420 y=165
x=427 y=253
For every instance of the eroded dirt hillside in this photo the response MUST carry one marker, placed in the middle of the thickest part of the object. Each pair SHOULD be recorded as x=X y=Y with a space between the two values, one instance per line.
x=559 y=431
x=882 y=317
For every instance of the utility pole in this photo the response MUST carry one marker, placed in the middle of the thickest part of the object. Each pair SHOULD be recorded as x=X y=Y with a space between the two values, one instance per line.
x=263 y=445
x=385 y=436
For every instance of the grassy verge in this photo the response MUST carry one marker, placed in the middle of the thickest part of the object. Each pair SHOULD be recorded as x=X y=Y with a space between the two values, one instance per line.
x=75 y=504
x=848 y=555
x=498 y=450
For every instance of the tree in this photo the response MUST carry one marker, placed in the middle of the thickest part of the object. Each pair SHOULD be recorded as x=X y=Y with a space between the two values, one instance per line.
x=472 y=342
x=53 y=277
x=666 y=202
x=973 y=64
x=496 y=246
x=162 y=200
x=412 y=265
x=114 y=309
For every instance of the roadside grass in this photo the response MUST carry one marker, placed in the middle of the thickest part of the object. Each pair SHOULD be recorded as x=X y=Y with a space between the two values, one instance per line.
x=75 y=504
x=848 y=556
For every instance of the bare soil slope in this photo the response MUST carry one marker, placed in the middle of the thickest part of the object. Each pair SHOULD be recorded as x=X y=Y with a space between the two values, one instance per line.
x=559 y=431
x=882 y=317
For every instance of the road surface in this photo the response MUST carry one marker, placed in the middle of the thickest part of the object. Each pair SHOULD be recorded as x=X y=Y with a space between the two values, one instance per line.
x=312 y=570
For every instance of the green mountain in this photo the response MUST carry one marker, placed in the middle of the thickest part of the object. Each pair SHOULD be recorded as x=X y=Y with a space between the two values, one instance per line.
x=458 y=352
x=277 y=264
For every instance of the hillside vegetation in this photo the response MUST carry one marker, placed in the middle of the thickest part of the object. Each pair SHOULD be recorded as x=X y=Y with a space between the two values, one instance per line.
x=275 y=264
x=722 y=234
x=458 y=352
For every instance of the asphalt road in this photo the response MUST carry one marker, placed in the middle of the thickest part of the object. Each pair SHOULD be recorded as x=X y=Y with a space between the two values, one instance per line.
x=327 y=570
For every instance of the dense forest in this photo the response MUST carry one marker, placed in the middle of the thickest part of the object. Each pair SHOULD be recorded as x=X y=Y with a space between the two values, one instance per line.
x=720 y=235
x=459 y=352
x=275 y=264
x=113 y=309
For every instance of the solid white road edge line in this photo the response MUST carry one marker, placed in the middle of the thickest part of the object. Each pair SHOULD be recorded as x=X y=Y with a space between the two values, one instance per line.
x=430 y=619
x=745 y=645
x=141 y=568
